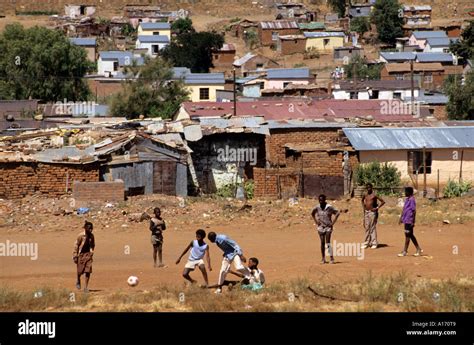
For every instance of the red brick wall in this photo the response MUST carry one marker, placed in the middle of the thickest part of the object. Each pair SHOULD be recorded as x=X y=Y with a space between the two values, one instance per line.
x=95 y=191
x=18 y=180
x=266 y=35
x=293 y=46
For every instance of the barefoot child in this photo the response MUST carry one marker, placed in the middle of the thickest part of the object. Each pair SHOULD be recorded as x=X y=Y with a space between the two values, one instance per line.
x=408 y=219
x=199 y=248
x=157 y=226
x=82 y=255
x=371 y=215
x=322 y=216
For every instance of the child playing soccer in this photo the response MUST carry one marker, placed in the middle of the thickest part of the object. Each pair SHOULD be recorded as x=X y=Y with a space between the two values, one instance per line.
x=255 y=277
x=82 y=255
x=408 y=219
x=157 y=226
x=322 y=216
x=199 y=248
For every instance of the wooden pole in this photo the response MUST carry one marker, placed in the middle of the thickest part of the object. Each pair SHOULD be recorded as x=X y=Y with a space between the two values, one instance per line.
x=437 y=190
x=460 y=167
x=412 y=88
x=424 y=171
x=235 y=94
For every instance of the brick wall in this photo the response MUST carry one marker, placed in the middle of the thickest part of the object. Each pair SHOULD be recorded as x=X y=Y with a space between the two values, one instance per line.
x=99 y=191
x=294 y=46
x=18 y=180
x=266 y=35
x=103 y=88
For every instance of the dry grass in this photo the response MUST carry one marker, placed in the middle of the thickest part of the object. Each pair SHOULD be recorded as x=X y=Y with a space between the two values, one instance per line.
x=385 y=293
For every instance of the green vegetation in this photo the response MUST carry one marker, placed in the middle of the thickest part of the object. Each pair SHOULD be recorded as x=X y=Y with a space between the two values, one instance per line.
x=360 y=66
x=456 y=189
x=339 y=6
x=386 y=17
x=465 y=46
x=360 y=25
x=39 y=63
x=153 y=94
x=229 y=190
x=385 y=177
x=461 y=96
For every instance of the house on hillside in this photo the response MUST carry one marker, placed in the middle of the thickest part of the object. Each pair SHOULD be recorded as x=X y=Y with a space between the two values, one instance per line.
x=268 y=31
x=77 y=11
x=395 y=57
x=113 y=63
x=416 y=15
x=89 y=44
x=360 y=10
x=426 y=75
x=202 y=86
x=324 y=41
x=374 y=89
x=152 y=43
x=253 y=63
x=439 y=149
x=155 y=29
x=419 y=38
x=438 y=45
x=347 y=53
x=312 y=27
x=223 y=59
x=279 y=78
x=291 y=44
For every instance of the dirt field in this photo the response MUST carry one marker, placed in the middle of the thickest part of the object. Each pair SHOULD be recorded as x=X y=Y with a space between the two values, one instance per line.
x=282 y=237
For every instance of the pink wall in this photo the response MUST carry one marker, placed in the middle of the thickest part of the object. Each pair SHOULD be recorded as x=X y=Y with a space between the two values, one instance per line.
x=278 y=84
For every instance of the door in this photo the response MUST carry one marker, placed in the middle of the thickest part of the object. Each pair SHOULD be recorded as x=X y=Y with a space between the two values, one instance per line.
x=164 y=177
x=331 y=186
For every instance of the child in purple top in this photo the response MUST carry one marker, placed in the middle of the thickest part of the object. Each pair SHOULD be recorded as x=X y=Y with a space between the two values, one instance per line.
x=408 y=219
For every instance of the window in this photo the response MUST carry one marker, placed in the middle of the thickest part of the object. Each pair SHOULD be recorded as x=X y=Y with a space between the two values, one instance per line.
x=204 y=93
x=116 y=65
x=325 y=41
x=259 y=65
x=156 y=32
x=286 y=83
x=274 y=35
x=428 y=78
x=155 y=48
x=445 y=50
x=374 y=94
x=399 y=76
x=397 y=95
x=353 y=95
x=262 y=85
x=415 y=162
x=216 y=57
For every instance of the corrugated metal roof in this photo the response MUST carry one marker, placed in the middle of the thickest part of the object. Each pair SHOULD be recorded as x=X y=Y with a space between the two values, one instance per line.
x=288 y=73
x=307 y=123
x=398 y=56
x=370 y=139
x=85 y=42
x=311 y=26
x=247 y=79
x=416 y=7
x=439 y=42
x=434 y=57
x=323 y=34
x=153 y=39
x=405 y=67
x=244 y=59
x=428 y=34
x=279 y=25
x=180 y=72
x=156 y=26
x=204 y=78
x=123 y=57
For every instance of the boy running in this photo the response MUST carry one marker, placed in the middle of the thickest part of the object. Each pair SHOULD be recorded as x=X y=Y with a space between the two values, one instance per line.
x=322 y=216
x=232 y=254
x=371 y=216
x=199 y=248
x=408 y=219
x=157 y=226
x=82 y=255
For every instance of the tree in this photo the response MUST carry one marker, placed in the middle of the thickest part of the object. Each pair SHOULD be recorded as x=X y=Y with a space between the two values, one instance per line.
x=465 y=47
x=360 y=25
x=386 y=16
x=153 y=93
x=461 y=96
x=42 y=64
x=182 y=26
x=193 y=50
x=362 y=69
x=339 y=6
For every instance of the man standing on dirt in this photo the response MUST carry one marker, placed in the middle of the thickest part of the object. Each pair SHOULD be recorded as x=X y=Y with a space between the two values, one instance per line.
x=322 y=215
x=371 y=215
x=82 y=255
x=232 y=254
x=157 y=226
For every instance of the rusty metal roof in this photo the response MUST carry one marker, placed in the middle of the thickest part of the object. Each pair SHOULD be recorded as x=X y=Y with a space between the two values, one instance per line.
x=279 y=25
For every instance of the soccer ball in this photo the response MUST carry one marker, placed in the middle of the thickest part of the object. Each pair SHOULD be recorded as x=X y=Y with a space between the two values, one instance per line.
x=132 y=281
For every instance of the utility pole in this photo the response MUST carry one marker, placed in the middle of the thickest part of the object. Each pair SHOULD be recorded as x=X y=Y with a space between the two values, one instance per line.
x=235 y=94
x=412 y=89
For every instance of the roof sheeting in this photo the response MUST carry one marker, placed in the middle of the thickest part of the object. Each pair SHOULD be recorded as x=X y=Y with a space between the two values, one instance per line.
x=85 y=42
x=279 y=25
x=153 y=39
x=156 y=26
x=244 y=59
x=312 y=26
x=417 y=8
x=405 y=67
x=323 y=34
x=372 y=139
x=420 y=35
x=439 y=41
x=398 y=56
x=204 y=78
x=434 y=57
x=123 y=57
x=288 y=73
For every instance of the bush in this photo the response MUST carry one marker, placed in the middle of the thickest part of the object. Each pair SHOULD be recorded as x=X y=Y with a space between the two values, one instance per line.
x=229 y=190
x=385 y=177
x=311 y=53
x=456 y=189
x=249 y=188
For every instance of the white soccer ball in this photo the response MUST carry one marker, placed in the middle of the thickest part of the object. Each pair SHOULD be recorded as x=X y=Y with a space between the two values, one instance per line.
x=132 y=281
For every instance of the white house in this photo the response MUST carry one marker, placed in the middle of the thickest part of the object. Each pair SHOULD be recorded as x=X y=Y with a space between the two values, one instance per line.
x=437 y=45
x=112 y=63
x=374 y=89
x=152 y=43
